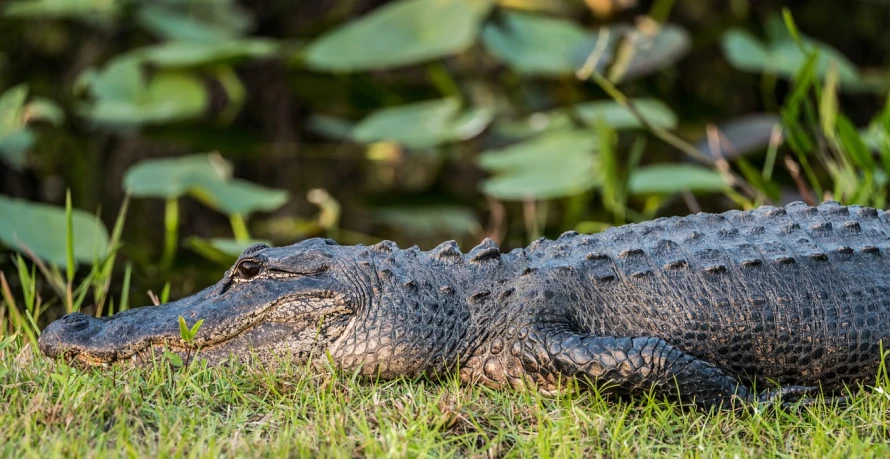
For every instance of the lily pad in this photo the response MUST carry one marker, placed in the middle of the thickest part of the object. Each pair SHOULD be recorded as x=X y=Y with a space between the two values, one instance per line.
x=168 y=96
x=173 y=177
x=784 y=58
x=674 y=178
x=204 y=21
x=193 y=54
x=655 y=52
x=42 y=229
x=14 y=139
x=206 y=177
x=330 y=126
x=87 y=10
x=238 y=196
x=124 y=98
x=15 y=115
x=654 y=111
x=538 y=45
x=120 y=79
x=533 y=124
x=423 y=124
x=742 y=135
x=399 y=33
x=555 y=164
x=545 y=148
x=561 y=178
x=14 y=146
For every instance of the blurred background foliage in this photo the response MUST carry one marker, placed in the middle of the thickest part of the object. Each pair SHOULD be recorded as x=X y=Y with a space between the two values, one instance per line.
x=194 y=128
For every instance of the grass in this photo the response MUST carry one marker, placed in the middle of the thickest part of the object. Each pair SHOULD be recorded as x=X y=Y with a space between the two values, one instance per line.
x=50 y=409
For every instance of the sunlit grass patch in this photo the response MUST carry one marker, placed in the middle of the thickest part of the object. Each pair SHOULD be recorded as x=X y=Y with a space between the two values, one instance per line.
x=243 y=410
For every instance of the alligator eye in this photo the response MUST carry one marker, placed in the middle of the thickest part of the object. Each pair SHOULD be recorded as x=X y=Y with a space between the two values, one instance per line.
x=247 y=269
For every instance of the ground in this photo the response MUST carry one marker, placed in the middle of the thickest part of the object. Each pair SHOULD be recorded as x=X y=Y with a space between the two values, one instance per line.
x=48 y=409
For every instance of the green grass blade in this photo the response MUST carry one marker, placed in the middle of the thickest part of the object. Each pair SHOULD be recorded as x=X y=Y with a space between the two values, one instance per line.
x=69 y=237
x=792 y=28
x=125 y=289
x=165 y=293
x=171 y=230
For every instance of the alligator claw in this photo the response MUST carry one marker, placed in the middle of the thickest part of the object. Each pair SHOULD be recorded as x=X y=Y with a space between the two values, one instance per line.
x=788 y=394
x=798 y=397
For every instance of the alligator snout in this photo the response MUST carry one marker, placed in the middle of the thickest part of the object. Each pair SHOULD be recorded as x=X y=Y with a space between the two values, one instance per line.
x=68 y=335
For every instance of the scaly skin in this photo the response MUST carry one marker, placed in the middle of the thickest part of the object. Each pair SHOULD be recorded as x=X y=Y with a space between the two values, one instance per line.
x=701 y=308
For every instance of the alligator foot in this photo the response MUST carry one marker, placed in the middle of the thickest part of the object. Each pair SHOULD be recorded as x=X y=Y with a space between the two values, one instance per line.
x=632 y=366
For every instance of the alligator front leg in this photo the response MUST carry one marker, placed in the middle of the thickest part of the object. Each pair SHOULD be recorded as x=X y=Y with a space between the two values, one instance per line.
x=633 y=366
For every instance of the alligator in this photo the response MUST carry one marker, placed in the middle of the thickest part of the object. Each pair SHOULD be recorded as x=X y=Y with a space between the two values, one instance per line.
x=709 y=310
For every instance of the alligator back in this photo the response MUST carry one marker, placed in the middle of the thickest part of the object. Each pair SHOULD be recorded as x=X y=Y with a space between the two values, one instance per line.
x=797 y=295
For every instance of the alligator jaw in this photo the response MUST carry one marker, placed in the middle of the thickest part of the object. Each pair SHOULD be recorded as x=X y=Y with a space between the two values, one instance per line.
x=231 y=313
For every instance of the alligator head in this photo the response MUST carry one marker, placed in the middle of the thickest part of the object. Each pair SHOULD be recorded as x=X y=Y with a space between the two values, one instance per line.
x=290 y=302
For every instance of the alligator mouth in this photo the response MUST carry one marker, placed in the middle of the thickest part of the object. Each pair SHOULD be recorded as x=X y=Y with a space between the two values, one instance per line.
x=231 y=325
x=81 y=338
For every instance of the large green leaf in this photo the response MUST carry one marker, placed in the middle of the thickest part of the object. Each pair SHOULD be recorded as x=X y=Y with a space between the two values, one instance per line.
x=331 y=126
x=238 y=196
x=542 y=149
x=206 y=177
x=554 y=164
x=120 y=79
x=533 y=124
x=661 y=49
x=14 y=146
x=399 y=33
x=123 y=98
x=42 y=229
x=192 y=54
x=173 y=177
x=423 y=124
x=535 y=44
x=167 y=97
x=784 y=57
x=86 y=10
x=14 y=138
x=205 y=21
x=745 y=52
x=562 y=177
x=674 y=178
x=654 y=111
x=15 y=115
x=12 y=106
